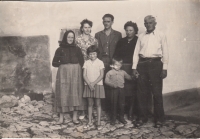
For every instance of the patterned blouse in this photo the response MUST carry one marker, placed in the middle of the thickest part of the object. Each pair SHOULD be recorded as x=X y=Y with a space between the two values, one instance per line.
x=84 y=44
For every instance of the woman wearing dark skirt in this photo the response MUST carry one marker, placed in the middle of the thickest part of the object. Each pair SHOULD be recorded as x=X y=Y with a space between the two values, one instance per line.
x=69 y=80
x=124 y=50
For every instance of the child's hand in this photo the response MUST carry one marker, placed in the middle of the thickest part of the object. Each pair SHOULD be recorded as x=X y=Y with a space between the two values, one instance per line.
x=91 y=86
x=133 y=77
x=137 y=75
x=115 y=86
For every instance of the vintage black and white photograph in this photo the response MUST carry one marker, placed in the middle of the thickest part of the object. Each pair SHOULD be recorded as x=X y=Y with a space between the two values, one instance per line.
x=100 y=69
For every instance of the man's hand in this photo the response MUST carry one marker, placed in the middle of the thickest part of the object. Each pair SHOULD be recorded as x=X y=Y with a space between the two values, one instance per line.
x=135 y=73
x=163 y=74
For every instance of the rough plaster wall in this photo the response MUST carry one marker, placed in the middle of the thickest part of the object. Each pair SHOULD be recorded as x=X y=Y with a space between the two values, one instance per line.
x=178 y=19
x=25 y=64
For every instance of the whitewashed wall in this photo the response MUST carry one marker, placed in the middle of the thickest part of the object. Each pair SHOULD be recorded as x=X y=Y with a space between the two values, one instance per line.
x=178 y=19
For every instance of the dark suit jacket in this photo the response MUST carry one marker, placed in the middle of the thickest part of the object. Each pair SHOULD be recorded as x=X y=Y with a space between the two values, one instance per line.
x=115 y=36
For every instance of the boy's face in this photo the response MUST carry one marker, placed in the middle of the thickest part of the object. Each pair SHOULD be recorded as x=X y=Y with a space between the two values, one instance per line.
x=117 y=65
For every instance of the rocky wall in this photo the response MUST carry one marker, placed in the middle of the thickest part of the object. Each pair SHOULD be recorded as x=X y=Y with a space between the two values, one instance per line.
x=24 y=64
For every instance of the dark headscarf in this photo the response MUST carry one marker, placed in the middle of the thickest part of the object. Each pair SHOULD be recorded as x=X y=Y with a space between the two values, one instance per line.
x=64 y=42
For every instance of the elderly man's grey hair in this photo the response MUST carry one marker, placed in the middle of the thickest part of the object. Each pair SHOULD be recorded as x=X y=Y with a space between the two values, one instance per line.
x=150 y=17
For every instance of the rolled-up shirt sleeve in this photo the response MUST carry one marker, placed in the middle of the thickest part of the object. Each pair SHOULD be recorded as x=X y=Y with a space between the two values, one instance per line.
x=165 y=56
x=136 y=54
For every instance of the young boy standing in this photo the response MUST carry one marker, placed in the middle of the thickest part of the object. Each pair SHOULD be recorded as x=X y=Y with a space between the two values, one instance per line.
x=115 y=79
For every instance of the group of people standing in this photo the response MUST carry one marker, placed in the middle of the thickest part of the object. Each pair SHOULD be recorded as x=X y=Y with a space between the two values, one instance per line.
x=111 y=67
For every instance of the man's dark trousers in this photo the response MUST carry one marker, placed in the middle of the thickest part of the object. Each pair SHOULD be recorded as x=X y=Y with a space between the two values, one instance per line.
x=149 y=75
x=106 y=103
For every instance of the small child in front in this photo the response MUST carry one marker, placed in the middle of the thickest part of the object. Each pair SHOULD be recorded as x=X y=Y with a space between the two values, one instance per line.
x=115 y=79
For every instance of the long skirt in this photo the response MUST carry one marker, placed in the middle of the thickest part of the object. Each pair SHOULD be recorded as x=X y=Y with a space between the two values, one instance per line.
x=129 y=86
x=69 y=89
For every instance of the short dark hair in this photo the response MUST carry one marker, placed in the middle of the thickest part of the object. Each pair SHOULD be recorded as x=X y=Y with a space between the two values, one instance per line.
x=108 y=15
x=131 y=24
x=85 y=21
x=93 y=48
x=117 y=59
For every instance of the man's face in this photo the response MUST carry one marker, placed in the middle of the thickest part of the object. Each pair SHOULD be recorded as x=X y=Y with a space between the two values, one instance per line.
x=107 y=22
x=150 y=24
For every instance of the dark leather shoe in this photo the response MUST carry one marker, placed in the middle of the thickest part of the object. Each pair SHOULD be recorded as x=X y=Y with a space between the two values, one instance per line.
x=130 y=118
x=158 y=124
x=122 y=120
x=145 y=120
x=112 y=122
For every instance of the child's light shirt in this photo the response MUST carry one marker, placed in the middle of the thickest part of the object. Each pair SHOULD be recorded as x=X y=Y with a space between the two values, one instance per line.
x=114 y=77
x=93 y=70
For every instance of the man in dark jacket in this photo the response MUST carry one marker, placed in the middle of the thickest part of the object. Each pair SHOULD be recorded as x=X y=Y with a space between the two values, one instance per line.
x=107 y=41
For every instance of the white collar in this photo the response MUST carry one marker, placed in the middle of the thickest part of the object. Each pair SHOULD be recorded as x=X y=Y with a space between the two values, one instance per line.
x=153 y=32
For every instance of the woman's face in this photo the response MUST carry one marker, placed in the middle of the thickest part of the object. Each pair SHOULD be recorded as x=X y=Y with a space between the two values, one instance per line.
x=86 y=29
x=70 y=38
x=130 y=32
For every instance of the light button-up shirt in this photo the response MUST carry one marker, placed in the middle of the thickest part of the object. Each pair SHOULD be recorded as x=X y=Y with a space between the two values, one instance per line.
x=150 y=45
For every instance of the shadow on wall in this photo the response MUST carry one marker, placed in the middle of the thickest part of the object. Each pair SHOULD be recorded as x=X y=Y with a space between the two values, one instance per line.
x=183 y=105
x=181 y=98
x=25 y=65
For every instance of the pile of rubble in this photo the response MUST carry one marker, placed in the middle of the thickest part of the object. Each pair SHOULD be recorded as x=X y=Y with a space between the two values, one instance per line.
x=24 y=118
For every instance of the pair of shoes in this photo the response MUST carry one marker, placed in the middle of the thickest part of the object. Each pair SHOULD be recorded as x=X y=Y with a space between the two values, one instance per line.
x=76 y=122
x=158 y=124
x=138 y=123
x=81 y=117
x=88 y=125
x=122 y=120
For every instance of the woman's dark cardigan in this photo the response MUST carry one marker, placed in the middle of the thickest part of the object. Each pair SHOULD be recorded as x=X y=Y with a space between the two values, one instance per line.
x=68 y=54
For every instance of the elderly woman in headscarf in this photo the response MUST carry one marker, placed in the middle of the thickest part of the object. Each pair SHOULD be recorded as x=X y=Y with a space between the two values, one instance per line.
x=69 y=81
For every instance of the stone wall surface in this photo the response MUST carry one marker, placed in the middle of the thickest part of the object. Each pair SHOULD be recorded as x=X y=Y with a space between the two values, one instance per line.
x=25 y=64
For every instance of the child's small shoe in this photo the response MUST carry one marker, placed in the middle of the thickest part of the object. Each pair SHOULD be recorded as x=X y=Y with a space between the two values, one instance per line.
x=88 y=125
x=99 y=127
x=59 y=123
x=81 y=117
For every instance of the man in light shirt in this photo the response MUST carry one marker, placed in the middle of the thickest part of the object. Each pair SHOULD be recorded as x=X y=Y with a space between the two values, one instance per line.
x=150 y=61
